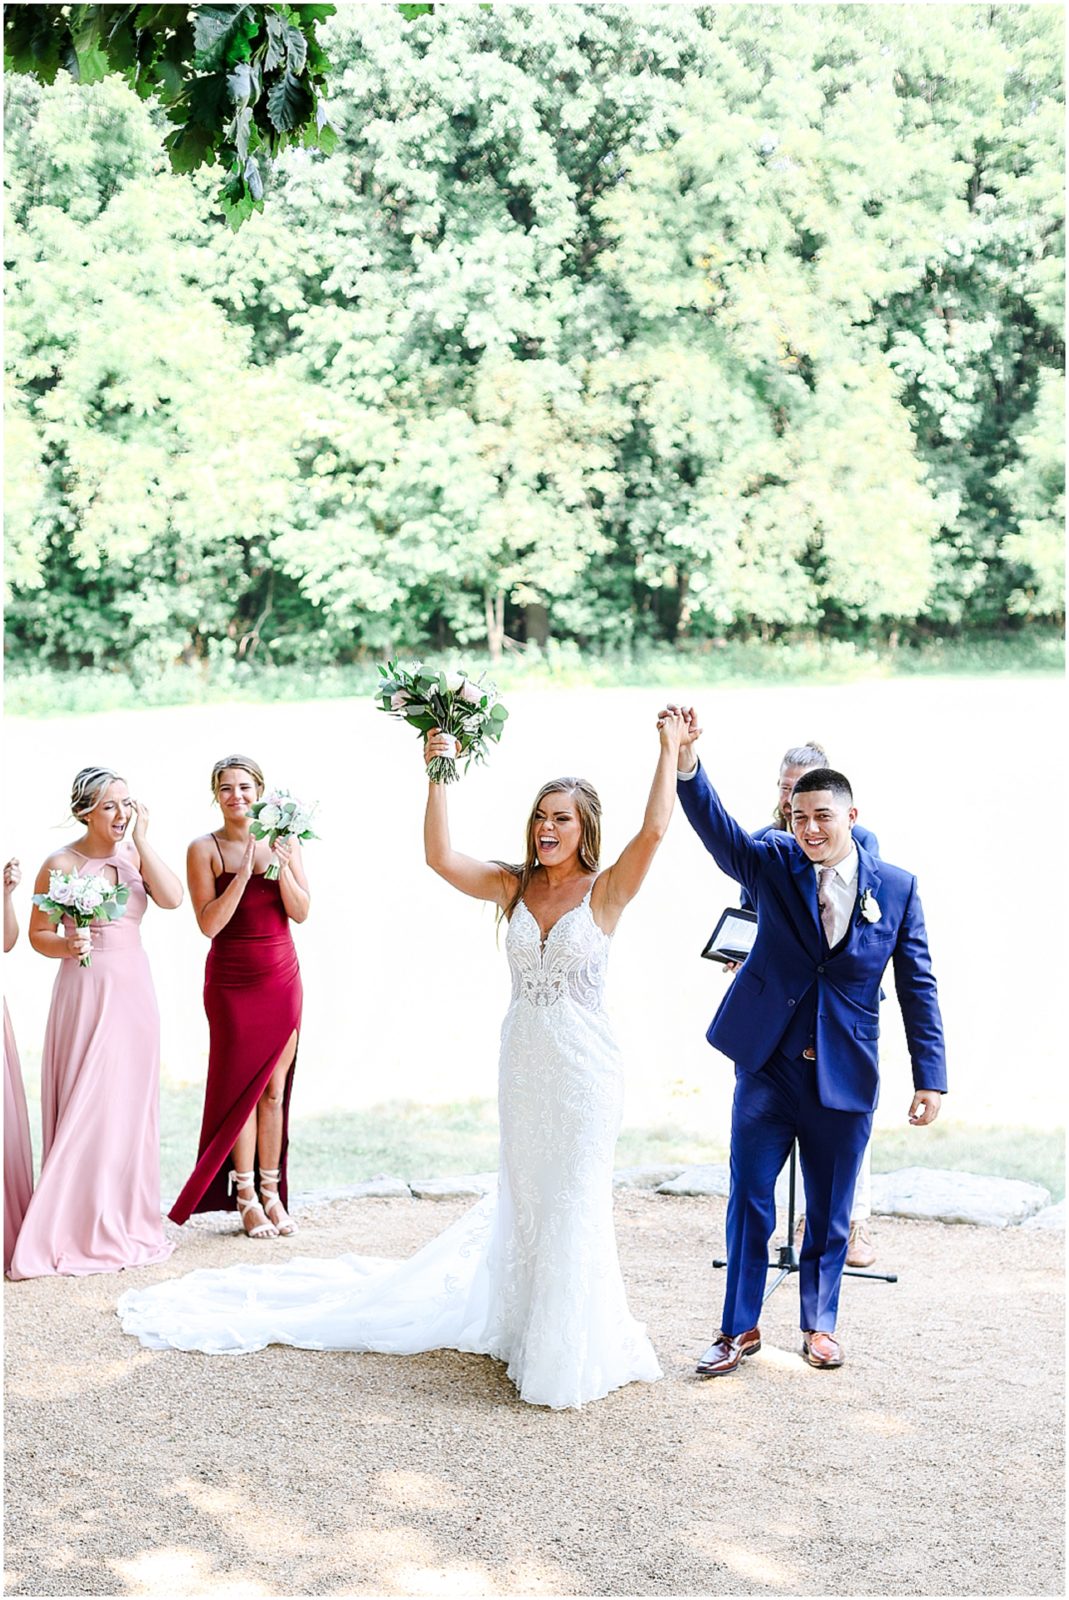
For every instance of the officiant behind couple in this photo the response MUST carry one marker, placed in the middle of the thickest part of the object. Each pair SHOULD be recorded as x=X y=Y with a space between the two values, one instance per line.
x=801 y=1022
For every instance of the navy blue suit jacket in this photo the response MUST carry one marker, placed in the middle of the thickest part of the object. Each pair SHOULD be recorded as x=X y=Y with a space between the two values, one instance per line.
x=790 y=956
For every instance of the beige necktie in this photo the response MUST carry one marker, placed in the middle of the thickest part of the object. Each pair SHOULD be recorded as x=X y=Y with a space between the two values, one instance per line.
x=827 y=910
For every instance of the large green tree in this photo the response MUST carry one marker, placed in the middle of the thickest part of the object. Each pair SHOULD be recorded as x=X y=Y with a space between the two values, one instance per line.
x=150 y=458
x=601 y=322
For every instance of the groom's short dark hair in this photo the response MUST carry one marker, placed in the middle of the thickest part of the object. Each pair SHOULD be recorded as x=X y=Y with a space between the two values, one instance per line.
x=825 y=778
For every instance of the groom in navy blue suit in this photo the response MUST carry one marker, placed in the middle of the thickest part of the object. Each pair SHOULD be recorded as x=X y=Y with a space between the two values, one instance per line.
x=801 y=1022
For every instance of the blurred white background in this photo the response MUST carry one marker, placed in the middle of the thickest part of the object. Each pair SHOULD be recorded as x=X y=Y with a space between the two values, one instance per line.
x=405 y=983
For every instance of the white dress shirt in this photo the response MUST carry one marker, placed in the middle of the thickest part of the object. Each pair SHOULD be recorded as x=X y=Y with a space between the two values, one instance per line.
x=842 y=892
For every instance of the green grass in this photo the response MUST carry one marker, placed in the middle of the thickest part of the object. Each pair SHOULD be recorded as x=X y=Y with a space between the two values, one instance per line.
x=44 y=693
x=401 y=1138
x=1035 y=1154
x=416 y=1141
x=409 y=1140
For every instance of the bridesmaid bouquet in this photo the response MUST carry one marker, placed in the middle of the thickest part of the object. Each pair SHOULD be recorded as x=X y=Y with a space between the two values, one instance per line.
x=280 y=815
x=85 y=899
x=465 y=707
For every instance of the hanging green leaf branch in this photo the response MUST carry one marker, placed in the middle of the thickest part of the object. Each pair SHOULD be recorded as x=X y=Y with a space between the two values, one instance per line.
x=239 y=83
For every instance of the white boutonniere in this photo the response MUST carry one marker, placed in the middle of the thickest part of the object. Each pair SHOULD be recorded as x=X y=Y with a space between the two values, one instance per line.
x=870 y=907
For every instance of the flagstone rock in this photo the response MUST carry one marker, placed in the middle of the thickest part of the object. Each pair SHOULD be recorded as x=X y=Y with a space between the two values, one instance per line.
x=711 y=1179
x=1052 y=1217
x=644 y=1177
x=473 y=1184
x=381 y=1187
x=929 y=1194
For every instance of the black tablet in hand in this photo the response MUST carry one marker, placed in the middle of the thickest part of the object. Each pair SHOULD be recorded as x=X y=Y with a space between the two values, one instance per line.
x=732 y=938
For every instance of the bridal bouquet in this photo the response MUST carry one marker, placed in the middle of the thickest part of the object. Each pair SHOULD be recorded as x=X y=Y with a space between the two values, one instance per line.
x=466 y=708
x=280 y=815
x=85 y=899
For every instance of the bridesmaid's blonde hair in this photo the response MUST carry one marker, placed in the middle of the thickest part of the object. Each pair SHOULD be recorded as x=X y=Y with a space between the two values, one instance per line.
x=246 y=764
x=588 y=806
x=88 y=788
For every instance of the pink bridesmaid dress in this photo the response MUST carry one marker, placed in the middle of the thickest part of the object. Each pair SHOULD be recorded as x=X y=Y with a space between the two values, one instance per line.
x=96 y=1207
x=18 y=1160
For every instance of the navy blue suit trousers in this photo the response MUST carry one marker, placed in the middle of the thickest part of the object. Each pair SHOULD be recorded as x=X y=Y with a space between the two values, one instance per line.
x=770 y=1110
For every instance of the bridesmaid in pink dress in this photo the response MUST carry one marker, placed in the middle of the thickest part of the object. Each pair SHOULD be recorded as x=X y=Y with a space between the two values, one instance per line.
x=96 y=1207
x=18 y=1160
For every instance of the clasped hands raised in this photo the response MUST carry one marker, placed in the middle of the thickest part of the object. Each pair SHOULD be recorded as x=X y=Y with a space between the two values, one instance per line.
x=679 y=729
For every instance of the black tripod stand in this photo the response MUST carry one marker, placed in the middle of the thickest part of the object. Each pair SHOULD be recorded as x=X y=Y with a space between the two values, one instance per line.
x=786 y=1260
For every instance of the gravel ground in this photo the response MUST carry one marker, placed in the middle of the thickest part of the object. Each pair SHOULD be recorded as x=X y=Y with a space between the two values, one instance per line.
x=930 y=1464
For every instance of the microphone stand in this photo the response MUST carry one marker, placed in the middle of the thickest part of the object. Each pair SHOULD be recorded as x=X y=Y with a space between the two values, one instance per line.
x=786 y=1260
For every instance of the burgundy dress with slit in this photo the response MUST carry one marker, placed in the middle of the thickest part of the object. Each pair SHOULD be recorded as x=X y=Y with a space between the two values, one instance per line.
x=252 y=994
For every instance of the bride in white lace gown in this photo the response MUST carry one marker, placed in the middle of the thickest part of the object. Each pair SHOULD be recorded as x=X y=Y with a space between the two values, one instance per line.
x=530 y=1275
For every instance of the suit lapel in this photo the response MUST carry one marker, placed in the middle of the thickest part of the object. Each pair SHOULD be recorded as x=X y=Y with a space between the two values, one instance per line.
x=807 y=911
x=805 y=880
x=868 y=879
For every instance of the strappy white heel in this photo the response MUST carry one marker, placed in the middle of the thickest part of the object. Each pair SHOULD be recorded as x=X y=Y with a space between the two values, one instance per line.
x=270 y=1199
x=247 y=1180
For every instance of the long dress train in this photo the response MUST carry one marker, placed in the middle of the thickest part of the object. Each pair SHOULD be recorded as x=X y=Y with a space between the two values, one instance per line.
x=18 y=1158
x=530 y=1275
x=96 y=1207
x=253 y=996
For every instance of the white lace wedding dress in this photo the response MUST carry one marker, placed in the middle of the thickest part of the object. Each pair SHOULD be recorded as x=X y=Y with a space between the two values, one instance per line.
x=530 y=1275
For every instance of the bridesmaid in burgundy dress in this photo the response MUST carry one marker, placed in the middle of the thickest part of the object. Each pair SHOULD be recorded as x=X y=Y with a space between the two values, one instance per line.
x=96 y=1207
x=252 y=994
x=18 y=1159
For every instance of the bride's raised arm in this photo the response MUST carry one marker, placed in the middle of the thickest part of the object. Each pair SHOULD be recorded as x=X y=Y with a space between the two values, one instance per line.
x=483 y=880
x=621 y=882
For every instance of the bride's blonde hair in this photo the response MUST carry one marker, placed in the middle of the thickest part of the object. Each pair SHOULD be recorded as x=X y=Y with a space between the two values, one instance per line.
x=588 y=805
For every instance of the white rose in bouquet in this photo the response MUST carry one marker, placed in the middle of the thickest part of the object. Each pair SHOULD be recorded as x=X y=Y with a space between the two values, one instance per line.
x=280 y=815
x=452 y=703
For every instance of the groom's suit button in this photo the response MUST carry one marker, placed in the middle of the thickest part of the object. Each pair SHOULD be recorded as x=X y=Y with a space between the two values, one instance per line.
x=820 y=969
x=790 y=1002
x=727 y=1352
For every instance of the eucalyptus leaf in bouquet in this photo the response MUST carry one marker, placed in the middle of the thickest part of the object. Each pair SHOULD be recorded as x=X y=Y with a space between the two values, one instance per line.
x=280 y=815
x=467 y=708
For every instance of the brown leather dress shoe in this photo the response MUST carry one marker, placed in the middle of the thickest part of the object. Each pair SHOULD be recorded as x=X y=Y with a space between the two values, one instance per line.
x=727 y=1352
x=859 y=1252
x=821 y=1349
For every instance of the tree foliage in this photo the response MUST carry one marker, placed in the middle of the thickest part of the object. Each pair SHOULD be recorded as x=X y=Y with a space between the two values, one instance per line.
x=602 y=323
x=239 y=83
